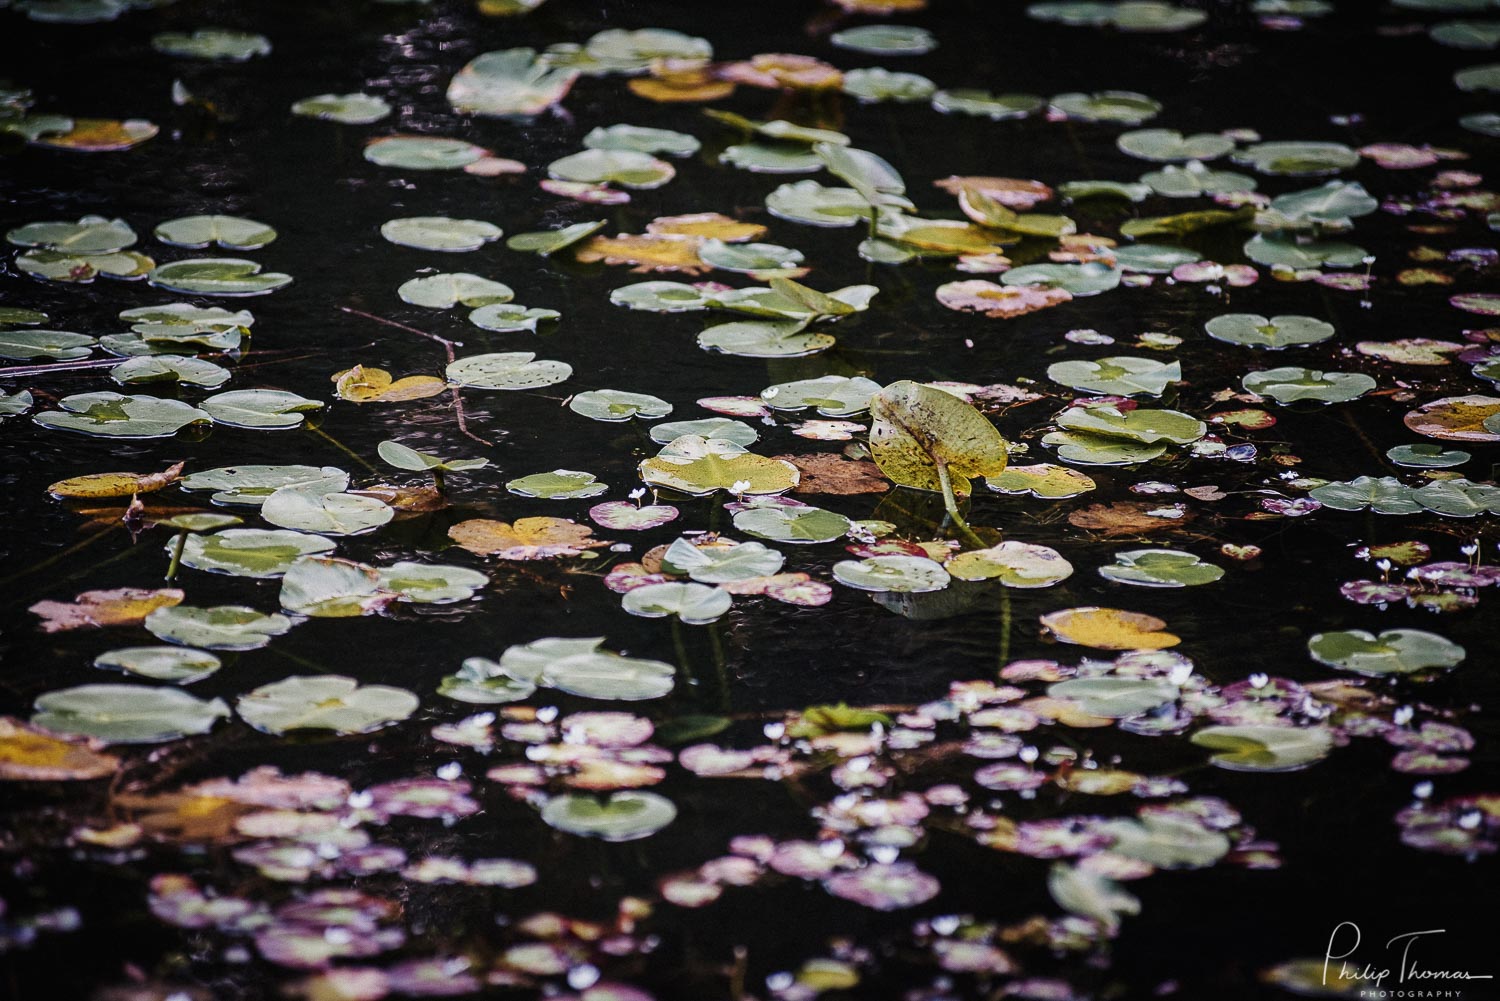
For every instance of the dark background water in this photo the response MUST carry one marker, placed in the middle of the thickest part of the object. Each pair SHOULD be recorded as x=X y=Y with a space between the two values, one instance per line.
x=1209 y=930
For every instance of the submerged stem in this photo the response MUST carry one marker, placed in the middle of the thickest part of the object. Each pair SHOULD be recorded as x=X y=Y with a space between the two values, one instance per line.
x=176 y=563
x=950 y=504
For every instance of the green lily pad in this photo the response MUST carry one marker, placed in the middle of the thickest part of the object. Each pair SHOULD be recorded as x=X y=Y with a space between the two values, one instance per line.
x=831 y=395
x=484 y=682
x=15 y=404
x=792 y=524
x=1427 y=456
x=983 y=104
x=167 y=368
x=127 y=714
x=1014 y=564
x=1194 y=179
x=224 y=627
x=886 y=39
x=1333 y=202
x=324 y=702
x=1297 y=159
x=906 y=574
x=330 y=588
x=1115 y=698
x=816 y=205
x=219 y=44
x=1117 y=376
x=697 y=466
x=113 y=415
x=1078 y=279
x=721 y=564
x=444 y=291
x=509 y=83
x=15 y=316
x=624 y=167
x=1167 y=145
x=275 y=409
x=1153 y=258
x=1044 y=479
x=249 y=486
x=174 y=664
x=58 y=345
x=748 y=258
x=227 y=231
x=736 y=432
x=60 y=266
x=1273 y=333
x=1097 y=450
x=507 y=370
x=616 y=405
x=509 y=318
x=620 y=816
x=402 y=457
x=877 y=84
x=580 y=667
x=228 y=276
x=771 y=158
x=1282 y=251
x=92 y=234
x=1383 y=495
x=440 y=233
x=639 y=139
x=1459 y=498
x=560 y=484
x=347 y=109
x=1160 y=568
x=325 y=514
x=1141 y=425
x=661 y=297
x=1293 y=385
x=1167 y=841
x=249 y=552
x=423 y=153
x=430 y=583
x=1122 y=106
x=765 y=339
x=693 y=604
x=923 y=437
x=547 y=242
x=1265 y=748
x=1395 y=651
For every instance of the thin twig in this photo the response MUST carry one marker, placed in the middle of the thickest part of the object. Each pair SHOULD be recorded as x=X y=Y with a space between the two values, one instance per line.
x=448 y=346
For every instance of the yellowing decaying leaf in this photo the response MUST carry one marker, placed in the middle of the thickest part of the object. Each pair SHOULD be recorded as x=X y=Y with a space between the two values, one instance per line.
x=185 y=816
x=95 y=485
x=1065 y=711
x=1109 y=629
x=29 y=754
x=1000 y=301
x=419 y=499
x=363 y=384
x=647 y=253
x=525 y=539
x=1098 y=781
x=784 y=71
x=831 y=473
x=920 y=436
x=706 y=225
x=1012 y=192
x=1127 y=518
x=124 y=606
x=680 y=80
x=101 y=135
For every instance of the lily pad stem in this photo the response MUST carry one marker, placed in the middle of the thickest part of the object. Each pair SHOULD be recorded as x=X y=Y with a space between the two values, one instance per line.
x=950 y=504
x=437 y=480
x=176 y=563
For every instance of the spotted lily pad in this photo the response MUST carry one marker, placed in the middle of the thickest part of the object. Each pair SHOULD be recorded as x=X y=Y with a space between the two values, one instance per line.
x=507 y=370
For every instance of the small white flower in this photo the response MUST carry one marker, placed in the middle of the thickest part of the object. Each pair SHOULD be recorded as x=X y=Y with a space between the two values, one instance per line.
x=1259 y=680
x=1403 y=716
x=739 y=486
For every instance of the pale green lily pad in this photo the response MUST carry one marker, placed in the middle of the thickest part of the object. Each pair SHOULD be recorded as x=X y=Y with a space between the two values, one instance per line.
x=1293 y=385
x=403 y=457
x=771 y=158
x=697 y=466
x=423 y=152
x=765 y=339
x=507 y=370
x=1160 y=568
x=1297 y=159
x=178 y=319
x=15 y=316
x=127 y=714
x=737 y=432
x=113 y=415
x=640 y=139
x=227 y=231
x=60 y=266
x=620 y=816
x=1116 y=698
x=1079 y=279
x=166 y=368
x=1079 y=190
x=627 y=168
x=748 y=258
x=1333 y=202
x=330 y=588
x=1122 y=106
x=625 y=50
x=1167 y=145
x=444 y=291
x=877 y=84
x=1383 y=495
x=1395 y=651
x=1194 y=179
x=1424 y=456
x=1272 y=333
x=325 y=513
x=1303 y=254
x=1117 y=376
x=250 y=552
x=1167 y=841
x=1153 y=258
x=906 y=574
x=580 y=667
x=347 y=109
x=1466 y=34
x=1459 y=498
x=1481 y=78
x=789 y=300
x=228 y=276
x=720 y=564
x=1265 y=748
x=831 y=395
x=560 y=484
x=250 y=485
x=616 y=405
x=816 y=205
x=430 y=583
x=224 y=627
x=275 y=409
x=324 y=702
x=983 y=104
x=694 y=604
x=1097 y=450
x=1014 y=564
x=440 y=233
x=1142 y=425
x=178 y=665
x=92 y=234
x=792 y=524
x=545 y=243
x=212 y=43
x=1044 y=479
x=508 y=83
x=58 y=345
x=886 y=39
x=15 y=404
x=484 y=682
x=507 y=317
x=661 y=297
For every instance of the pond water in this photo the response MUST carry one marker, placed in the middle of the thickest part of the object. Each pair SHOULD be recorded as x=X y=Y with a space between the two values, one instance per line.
x=984 y=835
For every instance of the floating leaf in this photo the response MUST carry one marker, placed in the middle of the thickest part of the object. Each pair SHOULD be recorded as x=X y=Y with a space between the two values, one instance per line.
x=627 y=168
x=29 y=754
x=249 y=552
x=423 y=153
x=512 y=82
x=620 y=816
x=112 y=415
x=580 y=667
x=811 y=203
x=259 y=408
x=444 y=291
x=615 y=405
x=509 y=317
x=212 y=43
x=250 y=485
x=983 y=104
x=1274 y=333
x=125 y=606
x=803 y=523
x=1395 y=651
x=1383 y=495
x=1044 y=479
x=695 y=465
x=1165 y=145
x=640 y=139
x=1265 y=748
x=1160 y=568
x=623 y=516
x=361 y=384
x=228 y=276
x=1293 y=385
x=720 y=564
x=1123 y=106
x=161 y=663
x=227 y=231
x=1141 y=425
x=1297 y=158
x=440 y=233
x=31 y=345
x=560 y=484
x=1119 y=376
x=347 y=109
x=831 y=395
x=886 y=39
x=1456 y=418
x=127 y=714
x=905 y=574
x=1014 y=564
x=693 y=604
x=548 y=242
x=1109 y=629
x=1115 y=698
x=324 y=702
x=225 y=627
x=92 y=234
x=1000 y=301
x=927 y=438
x=737 y=432
x=95 y=485
x=507 y=370
x=526 y=539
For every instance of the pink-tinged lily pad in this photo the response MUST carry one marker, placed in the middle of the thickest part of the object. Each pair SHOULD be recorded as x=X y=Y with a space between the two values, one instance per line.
x=1000 y=301
x=439 y=977
x=627 y=577
x=688 y=889
x=1233 y=275
x=804 y=593
x=1482 y=303
x=884 y=887
x=1373 y=592
x=828 y=430
x=606 y=729
x=710 y=760
x=1008 y=776
x=1431 y=736
x=623 y=516
x=588 y=194
x=1454 y=574
x=1427 y=763
x=1456 y=418
x=1410 y=350
x=809 y=859
x=1343 y=281
x=1289 y=507
x=431 y=799
x=736 y=406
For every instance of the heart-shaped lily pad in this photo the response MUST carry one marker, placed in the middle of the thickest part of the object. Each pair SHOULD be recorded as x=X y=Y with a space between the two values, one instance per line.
x=1294 y=385
x=1012 y=563
x=906 y=574
x=113 y=415
x=1265 y=748
x=695 y=465
x=273 y=409
x=227 y=276
x=581 y=667
x=627 y=168
x=178 y=665
x=225 y=627
x=1273 y=333
x=250 y=485
x=127 y=714
x=1117 y=376
x=1395 y=651
x=1115 y=698
x=227 y=231
x=444 y=291
x=616 y=405
x=507 y=370
x=440 y=233
x=1160 y=568
x=560 y=484
x=1383 y=495
x=620 y=816
x=325 y=513
x=324 y=702
x=694 y=604
x=250 y=552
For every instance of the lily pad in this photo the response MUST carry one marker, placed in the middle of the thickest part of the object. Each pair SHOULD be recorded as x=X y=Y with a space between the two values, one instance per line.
x=1294 y=385
x=1272 y=333
x=1383 y=495
x=325 y=513
x=983 y=104
x=640 y=139
x=249 y=486
x=627 y=168
x=1394 y=651
x=931 y=440
x=816 y=205
x=273 y=409
x=509 y=83
x=112 y=415
x=737 y=432
x=507 y=370
x=720 y=564
x=510 y=318
x=440 y=233
x=831 y=395
x=212 y=43
x=250 y=552
x=227 y=276
x=347 y=109
x=545 y=243
x=324 y=702
x=1142 y=425
x=1160 y=568
x=580 y=667
x=1117 y=376
x=885 y=39
x=694 y=604
x=127 y=714
x=765 y=339
x=227 y=231
x=616 y=405
x=59 y=345
x=92 y=234
x=1014 y=564
x=560 y=484
x=423 y=153
x=1265 y=748
x=1078 y=280
x=177 y=665
x=697 y=466
x=802 y=524
x=1121 y=106
x=61 y=266
x=905 y=574
x=1297 y=159
x=225 y=627
x=1167 y=145
x=620 y=816
x=1116 y=698
x=168 y=368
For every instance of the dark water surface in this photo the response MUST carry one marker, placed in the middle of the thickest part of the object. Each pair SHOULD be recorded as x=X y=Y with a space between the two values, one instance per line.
x=1200 y=934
